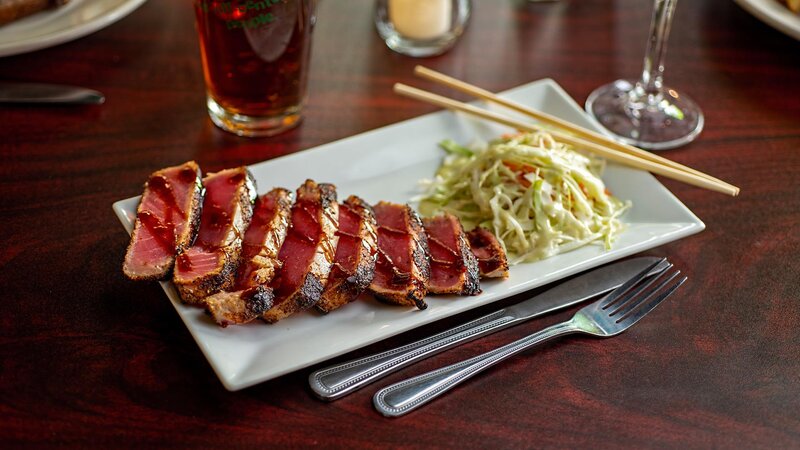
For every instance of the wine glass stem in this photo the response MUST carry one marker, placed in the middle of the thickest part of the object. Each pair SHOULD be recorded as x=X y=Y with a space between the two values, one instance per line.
x=648 y=89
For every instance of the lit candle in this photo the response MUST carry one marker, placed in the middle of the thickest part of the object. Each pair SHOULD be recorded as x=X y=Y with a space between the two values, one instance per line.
x=421 y=19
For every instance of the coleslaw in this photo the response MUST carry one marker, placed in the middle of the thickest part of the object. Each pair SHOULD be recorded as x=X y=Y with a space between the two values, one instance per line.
x=538 y=196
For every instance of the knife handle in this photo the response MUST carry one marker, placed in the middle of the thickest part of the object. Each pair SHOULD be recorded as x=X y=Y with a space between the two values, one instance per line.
x=337 y=381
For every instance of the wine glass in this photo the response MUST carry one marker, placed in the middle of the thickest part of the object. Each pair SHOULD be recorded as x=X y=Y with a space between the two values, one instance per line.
x=645 y=113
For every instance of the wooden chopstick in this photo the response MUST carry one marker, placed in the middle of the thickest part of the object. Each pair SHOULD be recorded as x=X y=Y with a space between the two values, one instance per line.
x=578 y=143
x=581 y=132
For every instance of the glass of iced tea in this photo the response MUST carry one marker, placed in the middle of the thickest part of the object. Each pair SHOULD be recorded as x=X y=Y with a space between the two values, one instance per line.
x=255 y=60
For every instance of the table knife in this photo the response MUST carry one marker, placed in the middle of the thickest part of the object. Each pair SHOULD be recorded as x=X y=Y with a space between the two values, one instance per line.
x=38 y=93
x=339 y=380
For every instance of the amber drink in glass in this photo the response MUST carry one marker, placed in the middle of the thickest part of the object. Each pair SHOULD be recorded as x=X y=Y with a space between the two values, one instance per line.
x=255 y=58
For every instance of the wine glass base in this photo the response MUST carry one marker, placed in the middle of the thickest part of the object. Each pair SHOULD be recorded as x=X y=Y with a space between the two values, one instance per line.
x=655 y=123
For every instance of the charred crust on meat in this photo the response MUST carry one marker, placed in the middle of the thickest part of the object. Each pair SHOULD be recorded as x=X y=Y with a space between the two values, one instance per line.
x=284 y=198
x=306 y=297
x=327 y=195
x=252 y=187
x=309 y=292
x=472 y=282
x=421 y=252
x=239 y=307
x=197 y=209
x=364 y=272
x=421 y=255
x=412 y=297
x=341 y=290
x=258 y=300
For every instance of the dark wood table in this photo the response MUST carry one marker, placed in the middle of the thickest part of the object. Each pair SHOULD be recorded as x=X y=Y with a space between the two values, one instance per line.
x=90 y=359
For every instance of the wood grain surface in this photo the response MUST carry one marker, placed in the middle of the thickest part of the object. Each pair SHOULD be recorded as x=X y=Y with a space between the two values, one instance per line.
x=91 y=360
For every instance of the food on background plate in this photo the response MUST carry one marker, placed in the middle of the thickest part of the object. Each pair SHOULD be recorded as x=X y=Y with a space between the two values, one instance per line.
x=491 y=257
x=402 y=270
x=251 y=295
x=538 y=196
x=208 y=266
x=308 y=252
x=11 y=10
x=793 y=5
x=356 y=251
x=166 y=220
x=454 y=268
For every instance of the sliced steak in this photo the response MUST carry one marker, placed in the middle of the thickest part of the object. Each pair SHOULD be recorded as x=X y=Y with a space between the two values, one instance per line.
x=307 y=253
x=454 y=269
x=402 y=269
x=166 y=222
x=354 y=264
x=491 y=257
x=208 y=266
x=251 y=296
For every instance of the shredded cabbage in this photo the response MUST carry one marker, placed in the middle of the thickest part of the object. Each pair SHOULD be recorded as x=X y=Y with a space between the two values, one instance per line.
x=537 y=195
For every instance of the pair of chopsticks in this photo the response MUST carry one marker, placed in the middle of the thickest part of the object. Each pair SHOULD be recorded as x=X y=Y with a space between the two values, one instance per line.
x=578 y=137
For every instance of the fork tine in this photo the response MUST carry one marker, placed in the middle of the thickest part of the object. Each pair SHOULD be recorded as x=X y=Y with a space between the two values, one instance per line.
x=634 y=292
x=635 y=315
x=625 y=309
x=614 y=295
x=662 y=266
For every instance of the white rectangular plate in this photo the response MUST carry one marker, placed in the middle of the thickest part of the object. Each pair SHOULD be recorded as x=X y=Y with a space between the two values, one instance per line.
x=386 y=164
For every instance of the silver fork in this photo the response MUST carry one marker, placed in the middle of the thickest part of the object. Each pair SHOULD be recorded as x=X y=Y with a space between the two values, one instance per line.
x=606 y=317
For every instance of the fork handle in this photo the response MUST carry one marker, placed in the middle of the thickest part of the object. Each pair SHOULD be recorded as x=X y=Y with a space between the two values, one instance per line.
x=336 y=381
x=408 y=395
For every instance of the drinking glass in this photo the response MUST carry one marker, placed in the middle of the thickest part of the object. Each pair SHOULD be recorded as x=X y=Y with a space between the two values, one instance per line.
x=255 y=57
x=421 y=28
x=645 y=113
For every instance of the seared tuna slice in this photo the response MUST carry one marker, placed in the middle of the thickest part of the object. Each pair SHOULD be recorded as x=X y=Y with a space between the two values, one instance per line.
x=307 y=253
x=251 y=296
x=233 y=308
x=208 y=266
x=354 y=264
x=492 y=259
x=454 y=269
x=402 y=269
x=166 y=222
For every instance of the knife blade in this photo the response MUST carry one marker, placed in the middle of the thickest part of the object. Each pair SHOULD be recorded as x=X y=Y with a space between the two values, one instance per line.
x=339 y=380
x=39 y=93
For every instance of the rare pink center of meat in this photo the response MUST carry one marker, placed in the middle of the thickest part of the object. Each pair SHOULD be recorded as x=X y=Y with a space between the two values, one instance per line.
x=349 y=241
x=218 y=209
x=163 y=210
x=162 y=215
x=255 y=238
x=445 y=255
x=393 y=266
x=442 y=240
x=481 y=245
x=298 y=249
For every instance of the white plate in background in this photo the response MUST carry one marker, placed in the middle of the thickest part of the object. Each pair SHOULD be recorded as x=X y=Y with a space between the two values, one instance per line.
x=62 y=24
x=774 y=14
x=386 y=164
